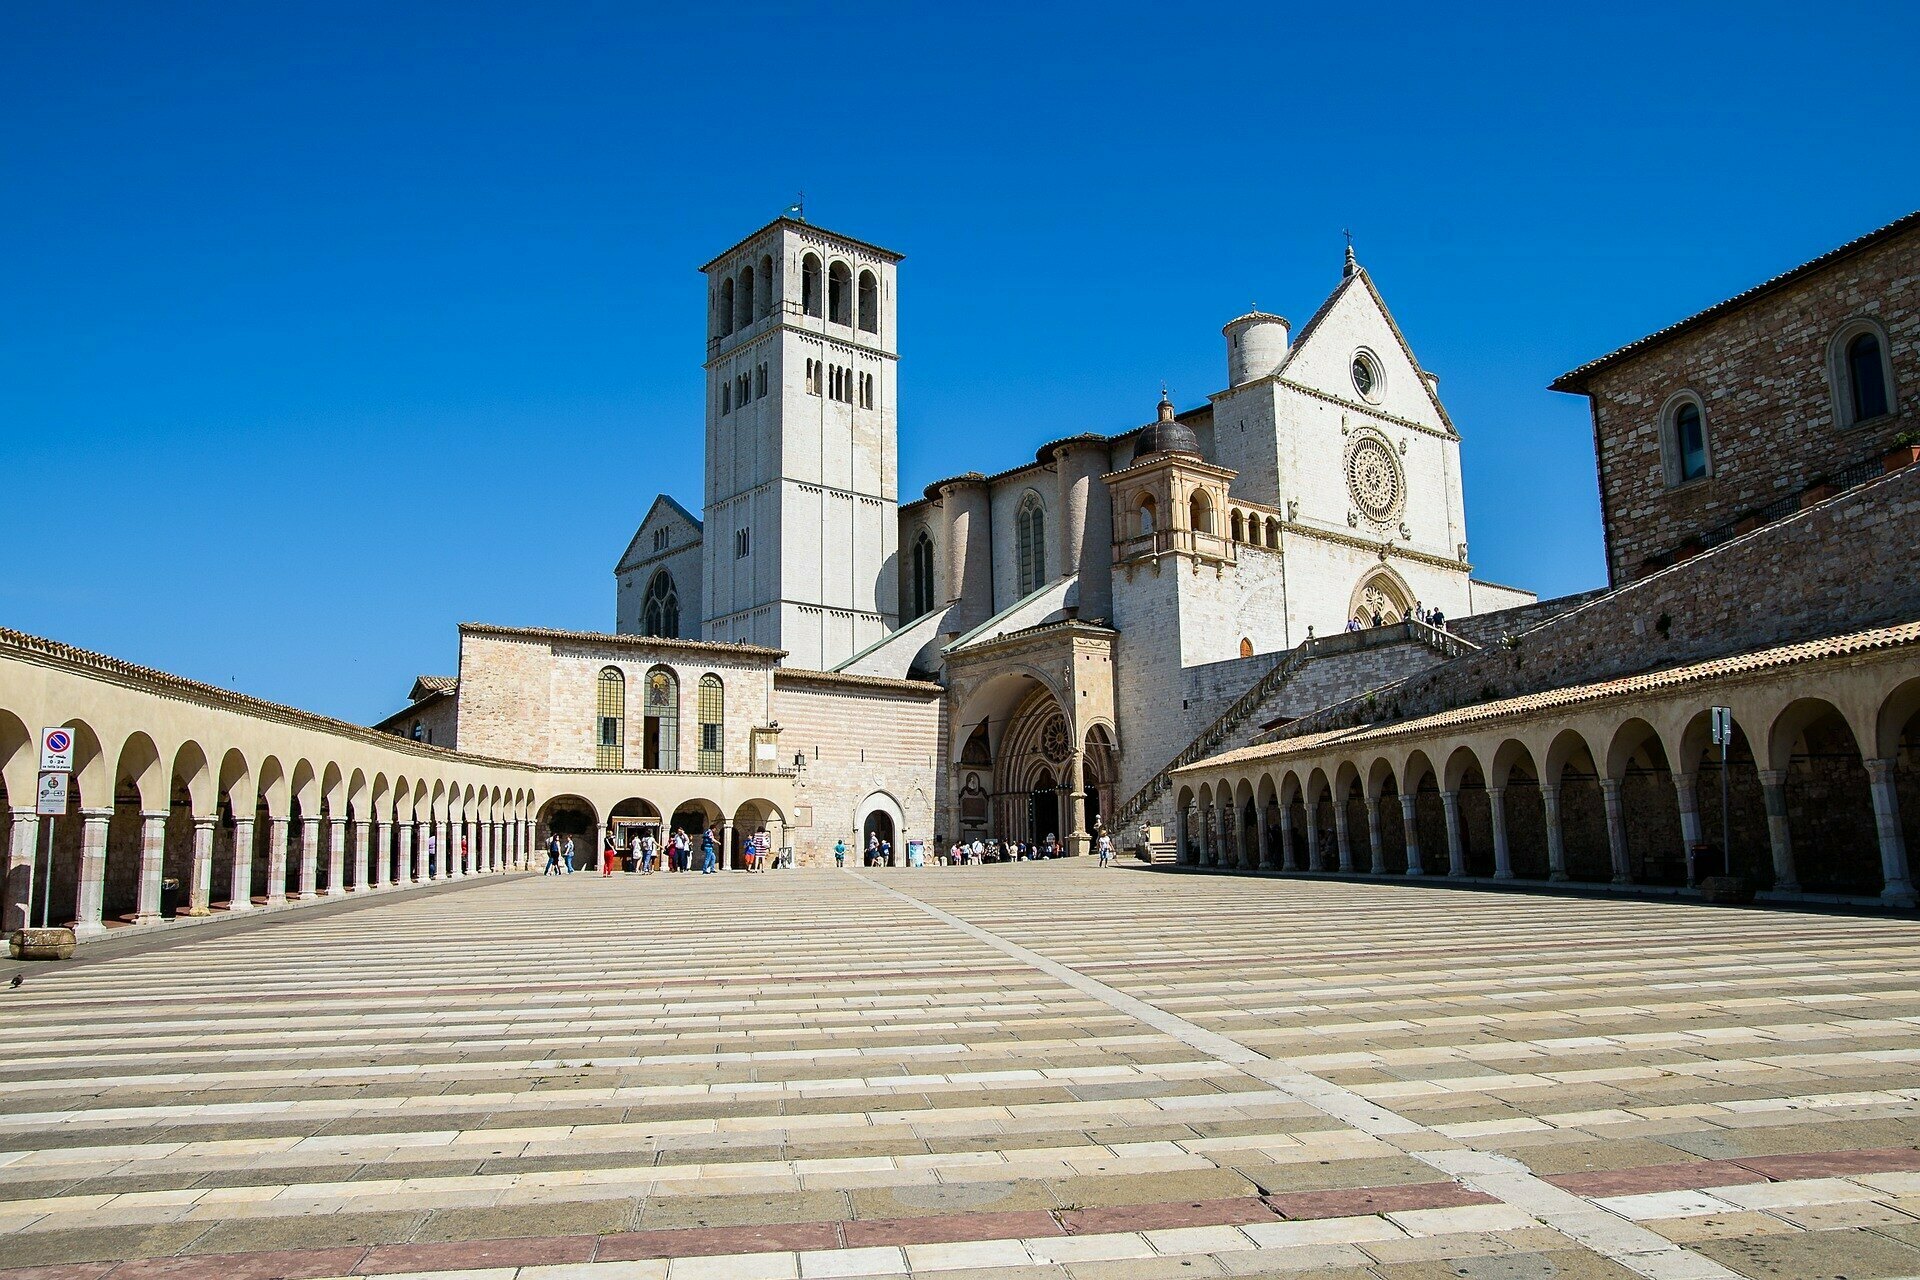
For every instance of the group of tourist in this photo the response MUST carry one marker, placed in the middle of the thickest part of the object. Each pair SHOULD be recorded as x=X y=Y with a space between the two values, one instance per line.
x=642 y=852
x=977 y=852
x=1419 y=613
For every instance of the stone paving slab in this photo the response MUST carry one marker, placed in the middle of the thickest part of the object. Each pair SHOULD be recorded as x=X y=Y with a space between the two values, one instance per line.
x=1039 y=1070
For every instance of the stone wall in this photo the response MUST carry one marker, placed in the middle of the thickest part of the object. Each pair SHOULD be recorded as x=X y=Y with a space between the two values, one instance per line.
x=1762 y=375
x=1842 y=566
x=534 y=697
x=861 y=736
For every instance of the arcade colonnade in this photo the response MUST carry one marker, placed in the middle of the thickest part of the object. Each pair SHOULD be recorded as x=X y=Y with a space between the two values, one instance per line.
x=1612 y=782
x=187 y=799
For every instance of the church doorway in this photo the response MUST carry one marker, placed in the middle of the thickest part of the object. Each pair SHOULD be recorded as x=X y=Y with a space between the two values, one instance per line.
x=1043 y=809
x=878 y=825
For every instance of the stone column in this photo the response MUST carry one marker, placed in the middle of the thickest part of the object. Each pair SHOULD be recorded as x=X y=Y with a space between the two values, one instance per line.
x=1690 y=835
x=1315 y=861
x=383 y=854
x=240 y=886
x=276 y=861
x=1897 y=890
x=1450 y=813
x=1287 y=860
x=362 y=854
x=23 y=853
x=1410 y=821
x=153 y=863
x=89 y=901
x=1556 y=836
x=336 y=857
x=1340 y=836
x=898 y=858
x=1502 y=852
x=403 y=836
x=1377 y=857
x=1616 y=831
x=309 y=858
x=1078 y=838
x=1773 y=786
x=1263 y=833
x=200 y=891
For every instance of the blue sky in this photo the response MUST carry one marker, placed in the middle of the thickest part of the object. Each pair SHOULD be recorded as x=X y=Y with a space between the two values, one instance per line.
x=323 y=328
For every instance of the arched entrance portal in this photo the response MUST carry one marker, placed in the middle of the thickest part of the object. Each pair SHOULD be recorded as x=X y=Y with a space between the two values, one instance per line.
x=1043 y=809
x=878 y=825
x=1381 y=599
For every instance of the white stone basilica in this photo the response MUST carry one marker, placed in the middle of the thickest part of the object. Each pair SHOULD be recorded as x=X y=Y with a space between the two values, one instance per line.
x=1119 y=601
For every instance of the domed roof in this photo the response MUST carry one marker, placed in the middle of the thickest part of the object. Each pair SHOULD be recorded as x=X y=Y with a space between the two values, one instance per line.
x=1165 y=435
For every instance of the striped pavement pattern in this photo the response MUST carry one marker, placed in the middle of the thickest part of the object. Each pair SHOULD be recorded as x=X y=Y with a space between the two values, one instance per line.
x=1035 y=1070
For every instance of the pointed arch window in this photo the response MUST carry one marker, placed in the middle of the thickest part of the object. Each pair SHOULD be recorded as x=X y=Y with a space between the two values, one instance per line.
x=660 y=722
x=610 y=738
x=869 y=303
x=810 y=285
x=660 y=614
x=839 y=294
x=763 y=299
x=1030 y=537
x=713 y=724
x=723 y=319
x=922 y=575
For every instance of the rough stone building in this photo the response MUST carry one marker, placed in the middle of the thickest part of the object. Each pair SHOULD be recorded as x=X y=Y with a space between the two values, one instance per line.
x=1775 y=398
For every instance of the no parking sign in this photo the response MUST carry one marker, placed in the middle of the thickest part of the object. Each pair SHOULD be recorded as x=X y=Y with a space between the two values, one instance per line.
x=56 y=750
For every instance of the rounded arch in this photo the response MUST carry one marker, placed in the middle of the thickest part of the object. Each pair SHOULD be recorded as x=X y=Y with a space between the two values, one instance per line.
x=1381 y=597
x=810 y=285
x=1686 y=452
x=869 y=302
x=879 y=813
x=743 y=298
x=193 y=777
x=1461 y=763
x=1791 y=724
x=19 y=755
x=839 y=293
x=1896 y=710
x=1860 y=372
x=332 y=788
x=1200 y=512
x=723 y=309
x=138 y=767
x=1237 y=527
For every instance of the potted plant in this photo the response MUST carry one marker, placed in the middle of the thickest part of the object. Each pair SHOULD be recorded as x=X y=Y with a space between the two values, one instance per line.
x=1904 y=453
x=1817 y=492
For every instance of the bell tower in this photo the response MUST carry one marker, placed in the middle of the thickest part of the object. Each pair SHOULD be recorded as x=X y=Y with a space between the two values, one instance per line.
x=802 y=484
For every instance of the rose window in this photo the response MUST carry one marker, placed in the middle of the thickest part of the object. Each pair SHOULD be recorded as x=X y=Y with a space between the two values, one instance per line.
x=1374 y=480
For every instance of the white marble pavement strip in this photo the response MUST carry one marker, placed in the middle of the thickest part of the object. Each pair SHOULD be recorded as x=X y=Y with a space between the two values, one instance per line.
x=1503 y=1177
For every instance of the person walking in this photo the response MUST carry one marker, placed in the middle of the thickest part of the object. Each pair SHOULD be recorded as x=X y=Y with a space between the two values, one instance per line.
x=840 y=854
x=433 y=847
x=553 y=855
x=707 y=844
x=646 y=854
x=1106 y=849
x=607 y=855
x=566 y=856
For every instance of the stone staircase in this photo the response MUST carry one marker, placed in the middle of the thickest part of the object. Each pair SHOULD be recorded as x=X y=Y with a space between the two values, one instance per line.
x=1228 y=730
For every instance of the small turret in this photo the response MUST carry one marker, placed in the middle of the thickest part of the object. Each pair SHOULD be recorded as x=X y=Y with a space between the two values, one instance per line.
x=1256 y=347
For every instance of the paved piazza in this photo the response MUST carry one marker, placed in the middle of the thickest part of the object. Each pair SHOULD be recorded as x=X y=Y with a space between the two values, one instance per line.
x=1035 y=1070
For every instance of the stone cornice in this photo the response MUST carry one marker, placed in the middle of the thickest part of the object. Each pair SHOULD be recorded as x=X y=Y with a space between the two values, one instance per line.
x=1374 y=545
x=1044 y=636
x=729 y=349
x=1354 y=406
x=748 y=652
x=849 y=680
